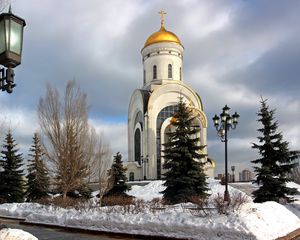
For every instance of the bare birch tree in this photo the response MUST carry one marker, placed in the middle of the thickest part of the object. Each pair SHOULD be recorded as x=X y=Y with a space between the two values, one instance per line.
x=64 y=123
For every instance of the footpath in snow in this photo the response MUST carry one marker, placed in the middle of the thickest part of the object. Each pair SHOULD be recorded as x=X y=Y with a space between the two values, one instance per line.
x=264 y=221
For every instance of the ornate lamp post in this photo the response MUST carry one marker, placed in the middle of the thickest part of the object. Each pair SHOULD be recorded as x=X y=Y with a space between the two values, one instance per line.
x=227 y=122
x=11 y=41
x=233 y=177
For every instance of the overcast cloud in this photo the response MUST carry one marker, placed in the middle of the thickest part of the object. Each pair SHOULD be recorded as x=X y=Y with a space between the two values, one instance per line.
x=235 y=52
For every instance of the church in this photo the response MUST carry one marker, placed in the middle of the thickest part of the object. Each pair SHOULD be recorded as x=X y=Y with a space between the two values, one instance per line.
x=151 y=108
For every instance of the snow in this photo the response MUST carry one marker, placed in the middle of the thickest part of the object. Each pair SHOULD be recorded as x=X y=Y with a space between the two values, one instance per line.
x=294 y=206
x=15 y=234
x=260 y=221
x=149 y=191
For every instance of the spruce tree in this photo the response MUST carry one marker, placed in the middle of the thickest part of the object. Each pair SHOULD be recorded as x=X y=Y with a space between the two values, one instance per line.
x=185 y=177
x=12 y=182
x=38 y=177
x=120 y=187
x=276 y=162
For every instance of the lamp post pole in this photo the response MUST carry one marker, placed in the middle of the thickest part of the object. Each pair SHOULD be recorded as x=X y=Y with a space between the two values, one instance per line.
x=222 y=128
x=226 y=193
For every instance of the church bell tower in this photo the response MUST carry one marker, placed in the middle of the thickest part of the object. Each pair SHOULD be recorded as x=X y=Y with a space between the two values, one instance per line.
x=152 y=107
x=162 y=57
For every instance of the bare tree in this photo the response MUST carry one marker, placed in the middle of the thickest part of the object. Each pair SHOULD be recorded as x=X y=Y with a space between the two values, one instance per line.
x=101 y=161
x=105 y=184
x=64 y=123
x=296 y=174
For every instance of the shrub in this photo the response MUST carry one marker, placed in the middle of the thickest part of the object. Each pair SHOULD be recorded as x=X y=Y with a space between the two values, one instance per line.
x=117 y=200
x=200 y=203
x=235 y=203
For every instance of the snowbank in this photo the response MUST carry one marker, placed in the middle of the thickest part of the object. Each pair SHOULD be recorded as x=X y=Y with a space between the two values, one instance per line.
x=254 y=221
x=149 y=191
x=15 y=234
x=294 y=206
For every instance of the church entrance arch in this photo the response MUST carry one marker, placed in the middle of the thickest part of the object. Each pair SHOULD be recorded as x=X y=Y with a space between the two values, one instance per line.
x=165 y=113
x=166 y=129
x=131 y=176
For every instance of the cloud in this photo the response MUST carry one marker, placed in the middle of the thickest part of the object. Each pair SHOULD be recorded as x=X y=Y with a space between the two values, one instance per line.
x=22 y=123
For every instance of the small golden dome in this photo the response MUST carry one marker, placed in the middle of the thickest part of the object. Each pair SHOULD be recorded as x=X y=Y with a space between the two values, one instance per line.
x=212 y=162
x=173 y=120
x=162 y=36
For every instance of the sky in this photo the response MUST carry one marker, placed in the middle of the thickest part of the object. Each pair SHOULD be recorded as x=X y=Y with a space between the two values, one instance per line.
x=235 y=52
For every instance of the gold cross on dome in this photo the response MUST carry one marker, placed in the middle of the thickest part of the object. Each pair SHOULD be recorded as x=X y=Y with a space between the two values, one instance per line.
x=162 y=13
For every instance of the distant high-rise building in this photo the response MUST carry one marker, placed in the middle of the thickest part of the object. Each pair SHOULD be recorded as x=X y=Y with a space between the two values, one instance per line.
x=245 y=176
x=221 y=177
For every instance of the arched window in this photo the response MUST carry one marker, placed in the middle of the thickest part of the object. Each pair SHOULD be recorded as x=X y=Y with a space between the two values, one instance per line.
x=131 y=176
x=170 y=71
x=137 y=146
x=180 y=74
x=139 y=119
x=154 y=72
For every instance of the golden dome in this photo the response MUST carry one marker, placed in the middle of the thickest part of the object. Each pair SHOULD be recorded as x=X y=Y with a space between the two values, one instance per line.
x=162 y=36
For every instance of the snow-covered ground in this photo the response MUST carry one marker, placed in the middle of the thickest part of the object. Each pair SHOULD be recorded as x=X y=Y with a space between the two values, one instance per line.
x=15 y=234
x=253 y=221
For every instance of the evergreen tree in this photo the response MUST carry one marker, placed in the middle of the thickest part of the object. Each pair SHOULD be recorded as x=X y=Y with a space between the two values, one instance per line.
x=12 y=182
x=276 y=162
x=118 y=171
x=38 y=180
x=185 y=176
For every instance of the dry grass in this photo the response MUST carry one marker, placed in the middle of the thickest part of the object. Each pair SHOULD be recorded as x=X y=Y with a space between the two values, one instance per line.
x=69 y=202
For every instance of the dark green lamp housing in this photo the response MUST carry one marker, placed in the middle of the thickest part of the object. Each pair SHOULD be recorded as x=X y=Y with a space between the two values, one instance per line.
x=11 y=42
x=11 y=39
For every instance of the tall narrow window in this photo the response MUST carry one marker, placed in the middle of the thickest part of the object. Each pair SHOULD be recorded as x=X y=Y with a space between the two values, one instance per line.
x=154 y=72
x=170 y=71
x=144 y=76
x=137 y=146
x=180 y=74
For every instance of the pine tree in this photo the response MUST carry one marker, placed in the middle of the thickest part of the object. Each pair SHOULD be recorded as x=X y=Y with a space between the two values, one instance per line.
x=12 y=182
x=38 y=177
x=276 y=161
x=185 y=177
x=118 y=171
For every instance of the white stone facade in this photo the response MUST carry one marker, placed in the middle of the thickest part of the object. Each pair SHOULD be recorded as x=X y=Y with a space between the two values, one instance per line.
x=152 y=107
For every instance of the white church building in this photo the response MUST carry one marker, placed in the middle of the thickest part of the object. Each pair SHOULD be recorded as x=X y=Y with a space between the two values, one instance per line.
x=151 y=108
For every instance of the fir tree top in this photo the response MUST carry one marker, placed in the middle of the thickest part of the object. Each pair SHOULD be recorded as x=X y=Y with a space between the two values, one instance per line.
x=38 y=179
x=11 y=178
x=10 y=154
x=276 y=161
x=118 y=170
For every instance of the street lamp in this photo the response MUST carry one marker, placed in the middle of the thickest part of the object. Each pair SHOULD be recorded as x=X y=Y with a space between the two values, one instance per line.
x=11 y=41
x=144 y=164
x=222 y=128
x=233 y=177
